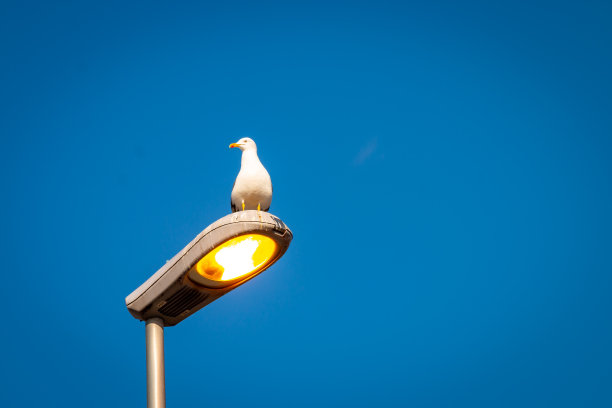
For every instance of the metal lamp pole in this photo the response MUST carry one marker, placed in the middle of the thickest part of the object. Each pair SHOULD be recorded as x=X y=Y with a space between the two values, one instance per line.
x=156 y=388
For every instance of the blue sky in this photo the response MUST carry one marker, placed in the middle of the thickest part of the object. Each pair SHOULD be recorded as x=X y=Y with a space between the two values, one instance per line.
x=444 y=166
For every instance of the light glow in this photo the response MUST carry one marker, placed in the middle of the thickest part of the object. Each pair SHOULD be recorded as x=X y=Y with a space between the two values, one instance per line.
x=237 y=257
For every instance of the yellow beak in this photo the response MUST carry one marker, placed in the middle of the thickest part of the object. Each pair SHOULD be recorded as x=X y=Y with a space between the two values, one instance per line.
x=234 y=145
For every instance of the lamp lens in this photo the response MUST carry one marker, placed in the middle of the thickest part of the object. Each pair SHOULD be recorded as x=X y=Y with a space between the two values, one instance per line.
x=237 y=257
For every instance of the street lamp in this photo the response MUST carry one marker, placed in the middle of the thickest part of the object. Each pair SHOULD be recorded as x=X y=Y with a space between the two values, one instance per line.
x=225 y=255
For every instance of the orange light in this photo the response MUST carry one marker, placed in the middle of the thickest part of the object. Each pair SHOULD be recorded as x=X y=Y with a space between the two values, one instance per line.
x=234 y=259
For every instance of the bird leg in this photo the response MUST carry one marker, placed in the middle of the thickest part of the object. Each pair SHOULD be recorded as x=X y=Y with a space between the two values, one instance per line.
x=258 y=210
x=242 y=205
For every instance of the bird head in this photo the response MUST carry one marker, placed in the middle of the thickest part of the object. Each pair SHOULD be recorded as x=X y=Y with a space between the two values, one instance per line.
x=245 y=144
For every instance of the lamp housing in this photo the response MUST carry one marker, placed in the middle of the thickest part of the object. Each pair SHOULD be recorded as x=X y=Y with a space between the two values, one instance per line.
x=229 y=252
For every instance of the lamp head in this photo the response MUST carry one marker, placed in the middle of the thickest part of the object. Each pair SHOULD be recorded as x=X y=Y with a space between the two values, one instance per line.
x=225 y=255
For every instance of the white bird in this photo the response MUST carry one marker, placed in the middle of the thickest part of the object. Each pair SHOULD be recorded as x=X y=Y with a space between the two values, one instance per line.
x=253 y=186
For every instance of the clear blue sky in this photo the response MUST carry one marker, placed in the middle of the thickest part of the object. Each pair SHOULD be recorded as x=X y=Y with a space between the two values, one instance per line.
x=445 y=168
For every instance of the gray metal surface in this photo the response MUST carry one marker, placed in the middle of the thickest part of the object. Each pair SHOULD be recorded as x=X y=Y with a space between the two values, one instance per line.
x=156 y=386
x=171 y=296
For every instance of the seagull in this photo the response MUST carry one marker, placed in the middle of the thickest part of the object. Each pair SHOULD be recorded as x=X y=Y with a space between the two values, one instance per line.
x=253 y=186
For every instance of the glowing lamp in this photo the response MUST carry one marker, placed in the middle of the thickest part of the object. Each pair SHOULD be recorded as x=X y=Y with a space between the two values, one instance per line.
x=234 y=259
x=225 y=255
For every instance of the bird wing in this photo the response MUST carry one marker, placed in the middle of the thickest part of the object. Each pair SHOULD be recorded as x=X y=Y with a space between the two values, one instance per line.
x=234 y=208
x=272 y=187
